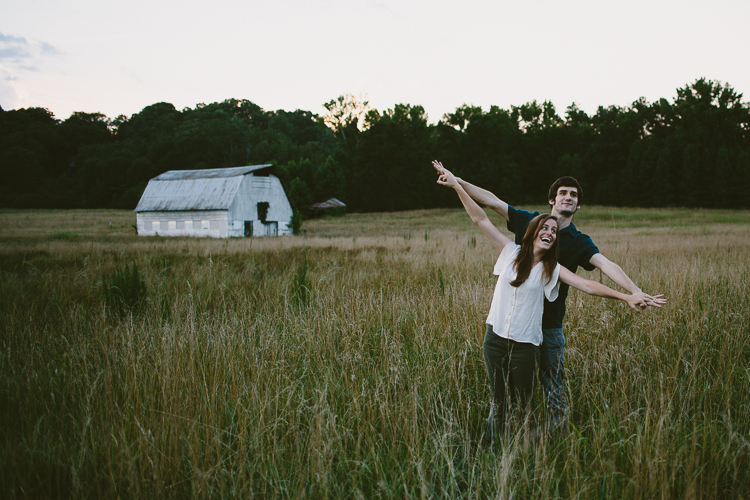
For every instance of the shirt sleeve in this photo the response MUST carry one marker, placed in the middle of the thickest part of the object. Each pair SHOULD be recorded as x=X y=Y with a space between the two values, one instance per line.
x=518 y=221
x=508 y=253
x=552 y=288
x=588 y=250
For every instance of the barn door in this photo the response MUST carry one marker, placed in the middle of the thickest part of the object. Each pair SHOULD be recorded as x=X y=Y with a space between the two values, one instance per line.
x=272 y=229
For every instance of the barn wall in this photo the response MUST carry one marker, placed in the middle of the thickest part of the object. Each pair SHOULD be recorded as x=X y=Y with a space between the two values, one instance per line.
x=244 y=208
x=198 y=223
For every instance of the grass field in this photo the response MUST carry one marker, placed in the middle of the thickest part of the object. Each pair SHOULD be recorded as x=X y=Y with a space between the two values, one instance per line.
x=346 y=363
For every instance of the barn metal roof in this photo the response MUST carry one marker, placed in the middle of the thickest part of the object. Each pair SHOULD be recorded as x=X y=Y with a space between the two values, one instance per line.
x=209 y=173
x=332 y=203
x=187 y=190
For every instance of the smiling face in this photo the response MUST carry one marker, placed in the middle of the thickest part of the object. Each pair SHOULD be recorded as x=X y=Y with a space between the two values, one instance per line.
x=546 y=235
x=566 y=201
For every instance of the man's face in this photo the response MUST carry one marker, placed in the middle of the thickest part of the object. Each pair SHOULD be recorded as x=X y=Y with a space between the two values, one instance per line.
x=566 y=201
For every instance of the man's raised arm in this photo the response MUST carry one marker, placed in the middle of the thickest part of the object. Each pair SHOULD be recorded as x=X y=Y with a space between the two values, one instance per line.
x=484 y=197
x=616 y=274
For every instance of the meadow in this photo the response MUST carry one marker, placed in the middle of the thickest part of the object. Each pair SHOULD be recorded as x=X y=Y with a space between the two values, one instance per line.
x=346 y=362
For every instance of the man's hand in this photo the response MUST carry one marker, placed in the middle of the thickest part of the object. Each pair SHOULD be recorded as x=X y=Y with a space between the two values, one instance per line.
x=651 y=300
x=616 y=274
x=636 y=302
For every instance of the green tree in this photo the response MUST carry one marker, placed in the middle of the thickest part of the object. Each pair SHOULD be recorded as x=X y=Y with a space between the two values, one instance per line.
x=329 y=180
x=463 y=115
x=390 y=167
x=345 y=117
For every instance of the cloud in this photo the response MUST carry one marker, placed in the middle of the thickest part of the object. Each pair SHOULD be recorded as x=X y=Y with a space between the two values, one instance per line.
x=12 y=39
x=49 y=49
x=14 y=52
x=10 y=97
x=13 y=47
x=17 y=48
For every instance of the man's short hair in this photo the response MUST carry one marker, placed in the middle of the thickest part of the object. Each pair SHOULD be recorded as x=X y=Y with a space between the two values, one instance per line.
x=566 y=181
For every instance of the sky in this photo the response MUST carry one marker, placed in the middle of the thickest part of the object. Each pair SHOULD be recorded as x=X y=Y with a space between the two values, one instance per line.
x=119 y=57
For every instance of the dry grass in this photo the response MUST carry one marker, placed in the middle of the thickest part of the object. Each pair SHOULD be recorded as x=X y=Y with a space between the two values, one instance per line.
x=235 y=381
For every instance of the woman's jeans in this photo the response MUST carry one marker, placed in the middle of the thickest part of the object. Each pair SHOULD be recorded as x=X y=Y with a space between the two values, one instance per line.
x=511 y=369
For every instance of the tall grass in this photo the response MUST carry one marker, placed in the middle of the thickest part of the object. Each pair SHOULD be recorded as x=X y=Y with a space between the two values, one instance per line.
x=124 y=291
x=350 y=366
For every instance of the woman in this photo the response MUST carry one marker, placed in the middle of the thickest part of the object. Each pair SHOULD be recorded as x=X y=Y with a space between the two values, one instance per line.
x=526 y=275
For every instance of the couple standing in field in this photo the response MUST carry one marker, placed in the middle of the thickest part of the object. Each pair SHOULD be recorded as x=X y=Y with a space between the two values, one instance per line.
x=525 y=319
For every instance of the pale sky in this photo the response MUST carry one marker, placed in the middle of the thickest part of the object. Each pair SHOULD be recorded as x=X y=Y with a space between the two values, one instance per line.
x=119 y=57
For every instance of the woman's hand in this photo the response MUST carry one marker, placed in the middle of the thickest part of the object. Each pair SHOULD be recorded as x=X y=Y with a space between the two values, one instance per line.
x=446 y=178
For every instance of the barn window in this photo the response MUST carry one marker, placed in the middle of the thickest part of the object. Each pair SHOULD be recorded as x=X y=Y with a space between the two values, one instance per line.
x=148 y=225
x=261 y=183
x=263 y=211
x=196 y=225
x=180 y=224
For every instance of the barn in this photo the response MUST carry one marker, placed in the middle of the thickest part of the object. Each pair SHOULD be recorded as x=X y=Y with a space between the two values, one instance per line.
x=216 y=202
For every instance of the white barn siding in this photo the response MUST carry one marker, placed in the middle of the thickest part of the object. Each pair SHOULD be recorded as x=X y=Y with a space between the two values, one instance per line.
x=211 y=223
x=244 y=208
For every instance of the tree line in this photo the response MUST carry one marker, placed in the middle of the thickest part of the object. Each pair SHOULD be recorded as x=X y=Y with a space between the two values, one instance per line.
x=692 y=151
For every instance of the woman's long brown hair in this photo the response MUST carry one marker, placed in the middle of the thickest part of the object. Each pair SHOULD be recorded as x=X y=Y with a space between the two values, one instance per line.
x=526 y=255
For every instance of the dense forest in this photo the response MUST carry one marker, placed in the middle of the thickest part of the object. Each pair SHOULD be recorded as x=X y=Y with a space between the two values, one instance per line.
x=692 y=151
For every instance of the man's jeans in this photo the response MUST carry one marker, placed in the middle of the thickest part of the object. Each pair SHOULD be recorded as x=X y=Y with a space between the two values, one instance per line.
x=552 y=371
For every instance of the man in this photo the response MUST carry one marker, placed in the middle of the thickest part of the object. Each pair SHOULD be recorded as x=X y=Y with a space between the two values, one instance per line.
x=576 y=249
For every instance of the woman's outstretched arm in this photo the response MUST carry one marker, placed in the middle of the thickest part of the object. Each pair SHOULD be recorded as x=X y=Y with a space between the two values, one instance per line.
x=498 y=239
x=635 y=301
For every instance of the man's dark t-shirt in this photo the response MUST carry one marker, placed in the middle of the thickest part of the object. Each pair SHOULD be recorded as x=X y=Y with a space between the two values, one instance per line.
x=576 y=249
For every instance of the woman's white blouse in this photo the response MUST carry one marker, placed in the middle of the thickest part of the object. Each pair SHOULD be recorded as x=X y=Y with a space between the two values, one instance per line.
x=516 y=312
